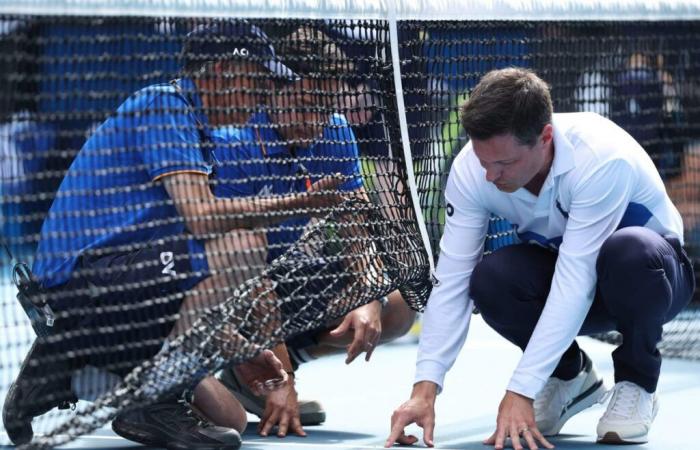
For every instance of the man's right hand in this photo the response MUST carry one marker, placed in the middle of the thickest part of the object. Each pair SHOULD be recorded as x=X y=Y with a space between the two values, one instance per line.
x=420 y=409
x=325 y=193
x=258 y=372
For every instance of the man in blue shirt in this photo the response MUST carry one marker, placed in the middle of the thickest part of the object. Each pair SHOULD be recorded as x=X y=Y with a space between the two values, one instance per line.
x=254 y=160
x=136 y=243
x=283 y=150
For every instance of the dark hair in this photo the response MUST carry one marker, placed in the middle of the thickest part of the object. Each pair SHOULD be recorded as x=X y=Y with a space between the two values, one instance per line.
x=311 y=53
x=508 y=101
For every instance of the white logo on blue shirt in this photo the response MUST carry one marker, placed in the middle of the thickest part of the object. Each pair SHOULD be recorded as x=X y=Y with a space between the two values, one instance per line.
x=168 y=261
x=266 y=190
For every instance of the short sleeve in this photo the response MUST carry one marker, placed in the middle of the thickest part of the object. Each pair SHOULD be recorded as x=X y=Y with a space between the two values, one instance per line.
x=167 y=137
x=235 y=163
x=338 y=153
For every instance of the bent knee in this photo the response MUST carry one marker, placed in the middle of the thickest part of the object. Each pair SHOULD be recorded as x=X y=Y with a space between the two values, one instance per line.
x=397 y=319
x=485 y=282
x=630 y=250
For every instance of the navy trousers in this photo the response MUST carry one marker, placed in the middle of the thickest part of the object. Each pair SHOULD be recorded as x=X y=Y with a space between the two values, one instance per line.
x=644 y=280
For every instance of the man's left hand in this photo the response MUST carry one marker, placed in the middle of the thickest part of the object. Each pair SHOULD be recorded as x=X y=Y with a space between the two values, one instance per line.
x=282 y=410
x=516 y=419
x=366 y=323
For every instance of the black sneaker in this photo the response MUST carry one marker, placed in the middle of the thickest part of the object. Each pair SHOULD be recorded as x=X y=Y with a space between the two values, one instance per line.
x=42 y=384
x=174 y=425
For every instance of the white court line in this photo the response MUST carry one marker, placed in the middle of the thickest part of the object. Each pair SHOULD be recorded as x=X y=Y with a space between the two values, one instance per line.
x=259 y=441
x=325 y=445
x=305 y=444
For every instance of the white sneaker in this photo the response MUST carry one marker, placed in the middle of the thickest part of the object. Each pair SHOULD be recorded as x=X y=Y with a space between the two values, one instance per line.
x=629 y=415
x=559 y=400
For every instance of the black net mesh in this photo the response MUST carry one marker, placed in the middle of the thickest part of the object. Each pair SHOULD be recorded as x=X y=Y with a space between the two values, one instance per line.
x=264 y=193
x=227 y=184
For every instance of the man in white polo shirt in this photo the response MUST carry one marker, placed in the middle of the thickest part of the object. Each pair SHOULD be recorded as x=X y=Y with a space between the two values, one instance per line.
x=600 y=249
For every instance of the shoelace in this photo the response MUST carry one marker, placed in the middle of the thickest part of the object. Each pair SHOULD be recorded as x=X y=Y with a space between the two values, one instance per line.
x=624 y=400
x=192 y=415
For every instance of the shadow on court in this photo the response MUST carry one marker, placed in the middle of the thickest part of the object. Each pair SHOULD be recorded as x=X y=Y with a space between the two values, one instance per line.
x=319 y=435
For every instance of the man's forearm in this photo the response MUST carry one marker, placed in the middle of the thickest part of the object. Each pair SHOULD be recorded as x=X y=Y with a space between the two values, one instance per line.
x=256 y=212
x=206 y=214
x=280 y=351
x=226 y=214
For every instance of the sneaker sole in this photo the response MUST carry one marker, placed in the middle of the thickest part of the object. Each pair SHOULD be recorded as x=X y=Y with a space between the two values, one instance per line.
x=316 y=418
x=306 y=419
x=588 y=398
x=133 y=435
x=251 y=406
x=147 y=439
x=19 y=431
x=613 y=438
x=185 y=446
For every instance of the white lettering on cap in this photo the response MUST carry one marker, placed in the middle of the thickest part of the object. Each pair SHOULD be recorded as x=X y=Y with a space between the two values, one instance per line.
x=240 y=52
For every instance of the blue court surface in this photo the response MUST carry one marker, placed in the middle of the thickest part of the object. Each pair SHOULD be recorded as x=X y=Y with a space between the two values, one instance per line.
x=360 y=398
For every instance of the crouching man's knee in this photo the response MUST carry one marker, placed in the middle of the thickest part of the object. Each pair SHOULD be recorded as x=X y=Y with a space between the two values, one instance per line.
x=397 y=317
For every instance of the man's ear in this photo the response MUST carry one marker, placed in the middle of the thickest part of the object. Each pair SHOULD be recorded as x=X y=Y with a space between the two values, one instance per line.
x=547 y=134
x=217 y=67
x=213 y=74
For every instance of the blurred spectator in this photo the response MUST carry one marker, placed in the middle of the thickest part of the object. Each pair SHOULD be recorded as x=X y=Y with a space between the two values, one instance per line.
x=593 y=92
x=24 y=142
x=643 y=106
x=647 y=104
x=457 y=54
x=90 y=65
x=24 y=145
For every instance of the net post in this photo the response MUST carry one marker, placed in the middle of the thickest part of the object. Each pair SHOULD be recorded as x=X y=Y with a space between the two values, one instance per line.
x=403 y=125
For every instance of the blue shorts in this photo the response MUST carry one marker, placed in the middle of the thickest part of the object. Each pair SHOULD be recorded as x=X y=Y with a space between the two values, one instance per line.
x=118 y=307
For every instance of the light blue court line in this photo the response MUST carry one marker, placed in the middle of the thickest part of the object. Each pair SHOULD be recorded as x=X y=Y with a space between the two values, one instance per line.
x=360 y=398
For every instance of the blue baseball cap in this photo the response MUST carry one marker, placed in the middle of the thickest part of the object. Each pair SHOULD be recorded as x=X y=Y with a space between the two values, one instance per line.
x=232 y=39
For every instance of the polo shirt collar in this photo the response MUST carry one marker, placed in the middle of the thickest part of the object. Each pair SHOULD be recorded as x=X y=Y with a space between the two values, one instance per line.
x=563 y=150
x=190 y=90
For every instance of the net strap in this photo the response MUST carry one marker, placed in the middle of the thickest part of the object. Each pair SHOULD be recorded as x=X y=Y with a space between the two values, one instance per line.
x=405 y=141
